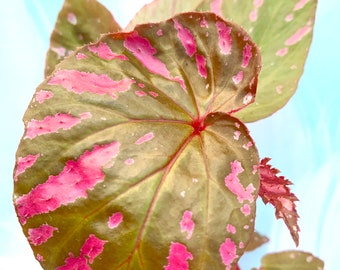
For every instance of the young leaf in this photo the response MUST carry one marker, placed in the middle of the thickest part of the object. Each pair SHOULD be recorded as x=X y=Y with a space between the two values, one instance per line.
x=282 y=29
x=79 y=22
x=129 y=151
x=291 y=260
x=274 y=189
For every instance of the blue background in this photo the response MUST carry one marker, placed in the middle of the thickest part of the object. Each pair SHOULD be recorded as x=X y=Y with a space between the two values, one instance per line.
x=302 y=138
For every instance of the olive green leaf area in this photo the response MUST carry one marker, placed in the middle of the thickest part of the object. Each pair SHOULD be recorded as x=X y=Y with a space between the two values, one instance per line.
x=79 y=22
x=282 y=30
x=130 y=158
x=256 y=241
x=291 y=260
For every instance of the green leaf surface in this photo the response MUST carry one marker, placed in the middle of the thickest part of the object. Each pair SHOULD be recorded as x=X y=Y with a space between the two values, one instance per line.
x=288 y=260
x=130 y=158
x=282 y=29
x=256 y=241
x=79 y=22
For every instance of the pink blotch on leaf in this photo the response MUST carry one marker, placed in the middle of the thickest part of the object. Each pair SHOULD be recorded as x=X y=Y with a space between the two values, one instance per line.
x=80 y=56
x=228 y=252
x=245 y=209
x=154 y=94
x=129 y=161
x=253 y=15
x=187 y=38
x=247 y=55
x=282 y=52
x=204 y=23
x=159 y=32
x=40 y=235
x=40 y=258
x=224 y=37
x=231 y=229
x=247 y=145
x=233 y=183
x=178 y=257
x=144 y=52
x=105 y=52
x=71 y=18
x=201 y=65
x=216 y=7
x=140 y=93
x=237 y=134
x=298 y=35
x=77 y=177
x=115 y=220
x=80 y=82
x=279 y=89
x=43 y=95
x=241 y=245
x=258 y=3
x=238 y=77
x=142 y=49
x=300 y=4
x=145 y=138
x=187 y=224
x=141 y=85
x=74 y=263
x=24 y=163
x=248 y=98
x=52 y=124
x=60 y=51
x=289 y=17
x=92 y=247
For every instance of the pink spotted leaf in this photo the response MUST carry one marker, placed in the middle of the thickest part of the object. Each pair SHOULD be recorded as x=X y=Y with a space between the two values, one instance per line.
x=133 y=151
x=282 y=29
x=79 y=22
x=274 y=190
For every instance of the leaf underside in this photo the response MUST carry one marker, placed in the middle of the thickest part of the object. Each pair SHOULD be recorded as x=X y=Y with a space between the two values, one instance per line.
x=282 y=30
x=130 y=151
x=78 y=23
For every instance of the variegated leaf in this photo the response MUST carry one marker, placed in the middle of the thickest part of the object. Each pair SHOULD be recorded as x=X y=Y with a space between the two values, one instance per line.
x=130 y=158
x=282 y=29
x=79 y=22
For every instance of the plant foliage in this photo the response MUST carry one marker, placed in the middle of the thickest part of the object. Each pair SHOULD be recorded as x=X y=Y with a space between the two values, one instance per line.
x=130 y=150
x=134 y=155
x=282 y=30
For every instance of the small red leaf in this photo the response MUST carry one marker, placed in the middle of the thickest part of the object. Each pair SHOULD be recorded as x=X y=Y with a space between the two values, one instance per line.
x=274 y=189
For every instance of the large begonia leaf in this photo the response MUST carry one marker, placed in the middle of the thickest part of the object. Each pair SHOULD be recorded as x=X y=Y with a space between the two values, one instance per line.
x=282 y=29
x=130 y=158
x=289 y=260
x=79 y=22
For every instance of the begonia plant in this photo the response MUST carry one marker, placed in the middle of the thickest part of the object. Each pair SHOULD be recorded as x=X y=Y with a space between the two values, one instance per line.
x=136 y=154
